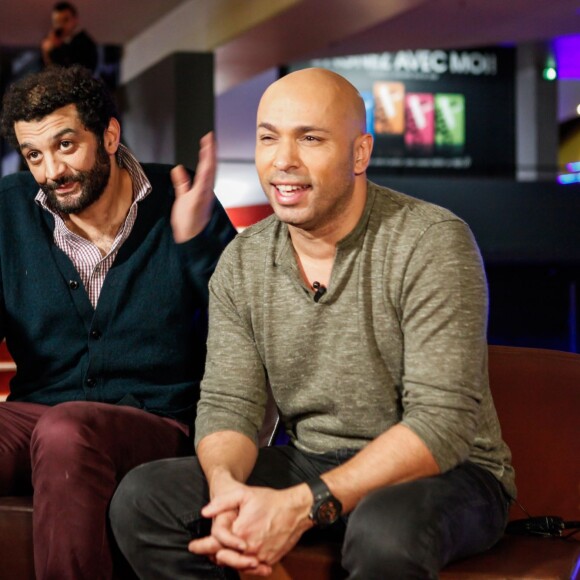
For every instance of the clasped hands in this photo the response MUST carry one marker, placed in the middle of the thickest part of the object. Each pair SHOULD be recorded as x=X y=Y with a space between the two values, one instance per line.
x=254 y=527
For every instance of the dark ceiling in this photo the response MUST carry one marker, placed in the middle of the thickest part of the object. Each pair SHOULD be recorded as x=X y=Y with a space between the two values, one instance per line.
x=314 y=27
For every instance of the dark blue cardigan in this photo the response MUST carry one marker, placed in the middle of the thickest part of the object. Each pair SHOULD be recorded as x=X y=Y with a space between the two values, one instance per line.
x=144 y=344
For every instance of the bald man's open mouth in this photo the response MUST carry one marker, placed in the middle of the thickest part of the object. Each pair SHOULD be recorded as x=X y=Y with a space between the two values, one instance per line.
x=290 y=193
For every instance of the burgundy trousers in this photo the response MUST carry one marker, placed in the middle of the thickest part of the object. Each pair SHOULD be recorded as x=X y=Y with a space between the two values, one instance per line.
x=72 y=456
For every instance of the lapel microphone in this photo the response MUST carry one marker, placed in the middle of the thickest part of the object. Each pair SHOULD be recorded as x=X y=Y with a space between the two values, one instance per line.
x=319 y=290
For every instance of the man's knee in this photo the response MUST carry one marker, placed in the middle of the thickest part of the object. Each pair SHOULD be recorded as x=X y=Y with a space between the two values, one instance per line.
x=388 y=536
x=131 y=502
x=63 y=431
x=150 y=500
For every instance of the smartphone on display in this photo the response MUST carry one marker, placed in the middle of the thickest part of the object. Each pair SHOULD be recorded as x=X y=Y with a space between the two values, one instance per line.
x=420 y=122
x=389 y=107
x=369 y=101
x=450 y=121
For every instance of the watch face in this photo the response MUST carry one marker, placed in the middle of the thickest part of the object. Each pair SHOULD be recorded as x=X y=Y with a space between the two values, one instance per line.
x=328 y=512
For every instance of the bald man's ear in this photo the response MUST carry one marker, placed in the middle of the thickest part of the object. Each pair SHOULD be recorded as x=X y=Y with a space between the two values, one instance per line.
x=362 y=153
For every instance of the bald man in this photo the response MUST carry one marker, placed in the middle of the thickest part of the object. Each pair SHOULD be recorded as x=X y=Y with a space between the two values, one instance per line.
x=365 y=311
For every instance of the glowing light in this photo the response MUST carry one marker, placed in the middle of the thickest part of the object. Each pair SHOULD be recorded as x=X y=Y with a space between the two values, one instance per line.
x=550 y=73
x=567 y=178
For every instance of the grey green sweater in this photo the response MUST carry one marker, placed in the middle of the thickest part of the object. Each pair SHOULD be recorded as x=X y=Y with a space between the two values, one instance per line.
x=400 y=336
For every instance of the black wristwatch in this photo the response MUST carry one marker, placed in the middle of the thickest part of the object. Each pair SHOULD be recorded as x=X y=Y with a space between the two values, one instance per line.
x=326 y=509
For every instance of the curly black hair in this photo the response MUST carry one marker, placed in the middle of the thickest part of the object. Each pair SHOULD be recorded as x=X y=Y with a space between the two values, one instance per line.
x=37 y=95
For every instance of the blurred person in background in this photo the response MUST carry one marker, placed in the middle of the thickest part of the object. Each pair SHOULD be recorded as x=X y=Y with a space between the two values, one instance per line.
x=67 y=43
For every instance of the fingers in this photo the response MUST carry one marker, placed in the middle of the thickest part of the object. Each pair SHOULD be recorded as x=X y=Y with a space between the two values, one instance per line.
x=180 y=179
x=221 y=537
x=207 y=163
x=233 y=558
x=227 y=538
x=220 y=504
x=238 y=561
x=261 y=570
x=204 y=174
x=204 y=546
x=224 y=556
x=207 y=148
x=225 y=549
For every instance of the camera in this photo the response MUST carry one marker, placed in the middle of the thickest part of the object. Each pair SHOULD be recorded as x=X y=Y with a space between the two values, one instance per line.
x=58 y=32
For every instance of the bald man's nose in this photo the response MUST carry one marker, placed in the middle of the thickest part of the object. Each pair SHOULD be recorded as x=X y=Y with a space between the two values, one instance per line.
x=286 y=156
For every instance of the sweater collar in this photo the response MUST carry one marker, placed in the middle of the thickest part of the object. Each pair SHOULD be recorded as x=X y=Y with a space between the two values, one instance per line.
x=285 y=254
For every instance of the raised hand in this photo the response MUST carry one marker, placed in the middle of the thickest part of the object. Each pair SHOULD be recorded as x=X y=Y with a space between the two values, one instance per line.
x=193 y=203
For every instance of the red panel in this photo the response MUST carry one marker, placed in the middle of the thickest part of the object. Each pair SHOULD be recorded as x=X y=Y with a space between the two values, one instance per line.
x=242 y=217
x=4 y=354
x=5 y=375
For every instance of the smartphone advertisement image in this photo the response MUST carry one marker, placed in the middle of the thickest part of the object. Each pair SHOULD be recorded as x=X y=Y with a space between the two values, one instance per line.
x=420 y=122
x=436 y=111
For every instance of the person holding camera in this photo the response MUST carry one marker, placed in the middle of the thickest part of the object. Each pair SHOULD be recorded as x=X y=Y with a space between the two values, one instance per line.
x=66 y=44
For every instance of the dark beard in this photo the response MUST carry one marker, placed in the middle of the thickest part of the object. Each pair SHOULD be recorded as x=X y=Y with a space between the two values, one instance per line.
x=93 y=183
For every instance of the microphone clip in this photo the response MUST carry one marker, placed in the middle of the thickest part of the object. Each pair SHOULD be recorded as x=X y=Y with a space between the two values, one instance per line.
x=319 y=290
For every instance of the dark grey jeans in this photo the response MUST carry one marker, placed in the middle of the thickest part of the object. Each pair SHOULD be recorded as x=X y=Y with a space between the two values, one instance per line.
x=409 y=530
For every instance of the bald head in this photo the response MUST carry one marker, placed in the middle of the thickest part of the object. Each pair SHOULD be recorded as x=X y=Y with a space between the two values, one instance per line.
x=331 y=94
x=312 y=152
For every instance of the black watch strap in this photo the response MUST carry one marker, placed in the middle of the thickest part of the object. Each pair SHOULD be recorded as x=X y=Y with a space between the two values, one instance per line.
x=326 y=509
x=319 y=490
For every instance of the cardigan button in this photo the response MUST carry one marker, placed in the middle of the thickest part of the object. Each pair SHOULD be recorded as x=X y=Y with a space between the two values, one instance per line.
x=95 y=334
x=91 y=382
x=73 y=284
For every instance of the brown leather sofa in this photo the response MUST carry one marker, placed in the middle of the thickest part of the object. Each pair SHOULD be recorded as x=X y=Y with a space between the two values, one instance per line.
x=537 y=395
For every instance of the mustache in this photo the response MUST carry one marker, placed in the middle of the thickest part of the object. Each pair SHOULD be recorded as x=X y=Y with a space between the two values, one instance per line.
x=53 y=185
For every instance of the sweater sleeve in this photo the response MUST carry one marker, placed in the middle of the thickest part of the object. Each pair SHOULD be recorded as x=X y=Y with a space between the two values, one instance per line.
x=444 y=321
x=201 y=254
x=233 y=390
